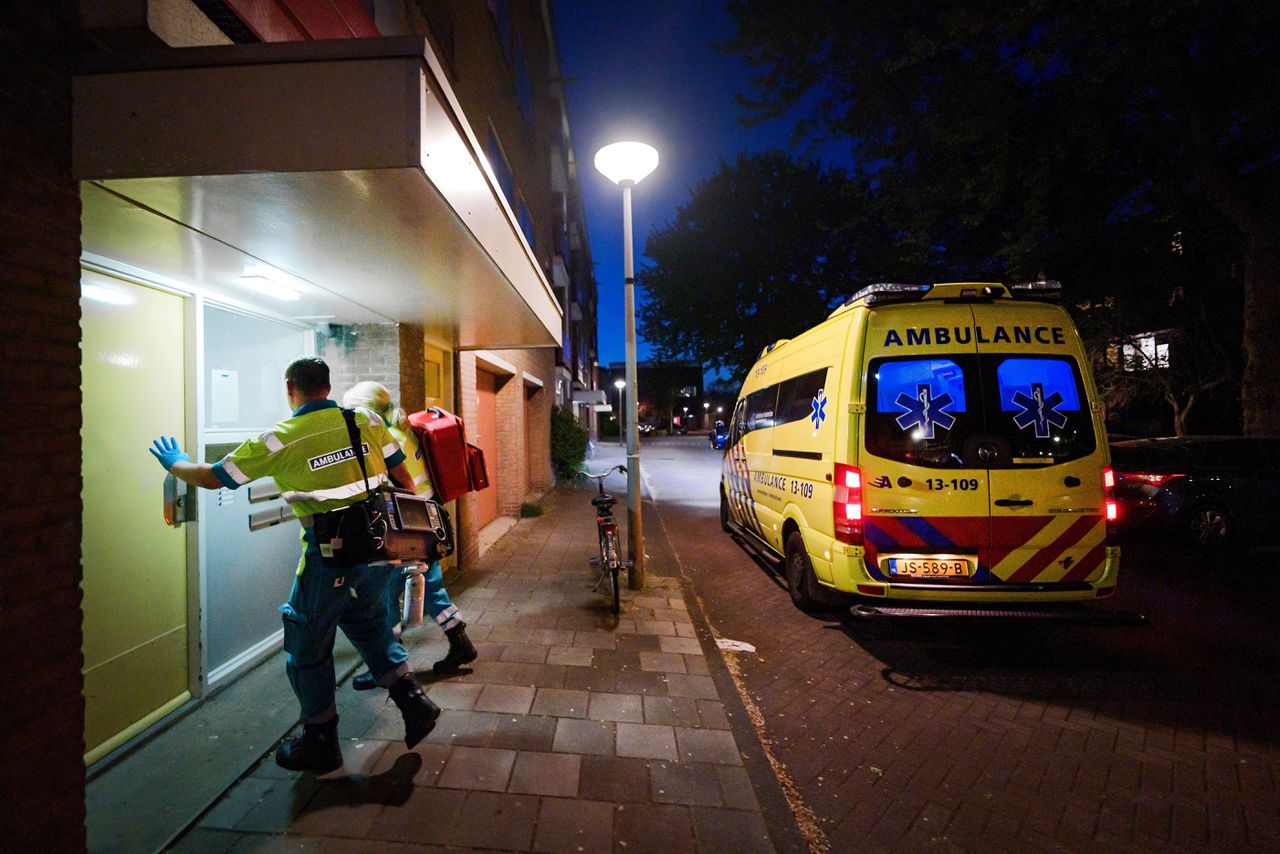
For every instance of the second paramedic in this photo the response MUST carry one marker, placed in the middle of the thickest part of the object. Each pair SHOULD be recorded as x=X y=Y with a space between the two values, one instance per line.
x=312 y=459
x=375 y=397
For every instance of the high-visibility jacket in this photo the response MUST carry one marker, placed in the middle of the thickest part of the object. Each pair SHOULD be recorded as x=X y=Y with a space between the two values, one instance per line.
x=413 y=459
x=310 y=457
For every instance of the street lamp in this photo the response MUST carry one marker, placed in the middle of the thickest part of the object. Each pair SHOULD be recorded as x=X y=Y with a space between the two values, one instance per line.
x=619 y=385
x=626 y=164
x=706 y=413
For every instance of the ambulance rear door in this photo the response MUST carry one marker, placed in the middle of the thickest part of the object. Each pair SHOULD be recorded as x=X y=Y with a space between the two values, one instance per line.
x=1042 y=447
x=925 y=495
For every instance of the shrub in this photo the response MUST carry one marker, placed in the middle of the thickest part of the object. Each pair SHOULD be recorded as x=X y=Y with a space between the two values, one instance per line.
x=568 y=442
x=529 y=510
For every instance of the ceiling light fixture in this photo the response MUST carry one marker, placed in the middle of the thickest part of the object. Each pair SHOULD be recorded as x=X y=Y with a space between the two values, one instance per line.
x=272 y=282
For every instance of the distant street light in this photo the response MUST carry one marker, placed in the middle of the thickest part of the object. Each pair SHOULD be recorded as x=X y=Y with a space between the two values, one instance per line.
x=706 y=407
x=619 y=385
x=626 y=164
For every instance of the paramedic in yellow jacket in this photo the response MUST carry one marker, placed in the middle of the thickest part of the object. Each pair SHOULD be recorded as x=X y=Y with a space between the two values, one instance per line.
x=375 y=397
x=312 y=459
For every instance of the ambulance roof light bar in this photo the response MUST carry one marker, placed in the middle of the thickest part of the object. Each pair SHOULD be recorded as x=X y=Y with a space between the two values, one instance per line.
x=886 y=292
x=1045 y=290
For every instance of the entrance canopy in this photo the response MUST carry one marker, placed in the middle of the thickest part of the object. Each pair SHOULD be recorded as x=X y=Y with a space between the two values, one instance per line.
x=330 y=180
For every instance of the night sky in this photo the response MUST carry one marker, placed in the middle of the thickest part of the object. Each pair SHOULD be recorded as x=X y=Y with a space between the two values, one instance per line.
x=647 y=70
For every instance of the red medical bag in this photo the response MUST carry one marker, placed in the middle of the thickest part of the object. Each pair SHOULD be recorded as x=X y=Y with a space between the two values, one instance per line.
x=475 y=468
x=450 y=460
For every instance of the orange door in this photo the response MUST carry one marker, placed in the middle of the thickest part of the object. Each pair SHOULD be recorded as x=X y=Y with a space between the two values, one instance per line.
x=484 y=434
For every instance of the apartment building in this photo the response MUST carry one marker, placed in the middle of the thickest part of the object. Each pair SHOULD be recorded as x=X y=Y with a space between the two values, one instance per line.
x=198 y=193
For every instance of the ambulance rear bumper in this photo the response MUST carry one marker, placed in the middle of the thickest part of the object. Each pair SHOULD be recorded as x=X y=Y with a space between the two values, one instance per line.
x=1061 y=614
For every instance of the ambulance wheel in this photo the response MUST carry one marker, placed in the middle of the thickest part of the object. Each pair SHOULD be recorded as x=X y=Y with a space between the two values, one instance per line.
x=724 y=513
x=799 y=572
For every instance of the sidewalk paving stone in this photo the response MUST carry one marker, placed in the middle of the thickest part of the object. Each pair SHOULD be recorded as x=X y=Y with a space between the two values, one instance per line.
x=615 y=707
x=575 y=729
x=546 y=774
x=647 y=741
x=561 y=702
x=477 y=768
x=512 y=699
x=574 y=826
x=587 y=737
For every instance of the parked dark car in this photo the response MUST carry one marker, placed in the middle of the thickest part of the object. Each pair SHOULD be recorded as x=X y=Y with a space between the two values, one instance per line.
x=1212 y=491
x=719 y=435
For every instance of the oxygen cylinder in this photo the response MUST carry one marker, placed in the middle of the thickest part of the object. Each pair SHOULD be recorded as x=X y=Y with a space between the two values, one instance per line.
x=415 y=592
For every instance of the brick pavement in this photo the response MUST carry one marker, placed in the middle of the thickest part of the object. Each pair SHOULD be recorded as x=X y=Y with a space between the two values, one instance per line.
x=1005 y=737
x=575 y=730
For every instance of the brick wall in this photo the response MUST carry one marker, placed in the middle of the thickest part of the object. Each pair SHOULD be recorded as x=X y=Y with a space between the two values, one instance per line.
x=521 y=472
x=511 y=466
x=41 y=708
x=413 y=392
x=465 y=406
x=362 y=351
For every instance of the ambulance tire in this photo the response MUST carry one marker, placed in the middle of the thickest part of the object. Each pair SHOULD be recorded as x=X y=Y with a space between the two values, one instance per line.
x=724 y=513
x=799 y=572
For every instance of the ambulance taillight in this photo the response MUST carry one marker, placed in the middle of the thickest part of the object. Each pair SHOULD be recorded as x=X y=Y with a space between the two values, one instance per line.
x=847 y=504
x=1109 y=497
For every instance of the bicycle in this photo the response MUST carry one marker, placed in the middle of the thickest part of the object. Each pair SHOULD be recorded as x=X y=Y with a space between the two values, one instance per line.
x=609 y=559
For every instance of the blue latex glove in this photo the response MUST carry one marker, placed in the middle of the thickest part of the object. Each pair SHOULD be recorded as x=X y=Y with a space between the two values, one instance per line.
x=168 y=452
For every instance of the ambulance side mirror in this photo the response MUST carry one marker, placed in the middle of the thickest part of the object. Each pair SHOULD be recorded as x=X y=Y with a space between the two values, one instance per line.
x=179 y=504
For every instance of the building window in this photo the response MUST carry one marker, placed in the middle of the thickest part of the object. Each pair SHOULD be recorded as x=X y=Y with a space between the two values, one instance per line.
x=1144 y=352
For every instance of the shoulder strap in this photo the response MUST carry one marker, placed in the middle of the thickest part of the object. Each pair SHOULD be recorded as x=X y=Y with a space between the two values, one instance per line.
x=353 y=433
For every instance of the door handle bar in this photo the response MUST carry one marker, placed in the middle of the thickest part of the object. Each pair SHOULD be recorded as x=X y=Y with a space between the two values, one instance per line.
x=1013 y=502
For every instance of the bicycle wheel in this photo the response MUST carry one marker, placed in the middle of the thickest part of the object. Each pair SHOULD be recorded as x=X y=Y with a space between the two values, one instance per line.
x=613 y=564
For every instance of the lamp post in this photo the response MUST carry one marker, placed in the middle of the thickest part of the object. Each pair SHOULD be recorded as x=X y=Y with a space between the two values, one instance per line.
x=706 y=414
x=626 y=164
x=620 y=385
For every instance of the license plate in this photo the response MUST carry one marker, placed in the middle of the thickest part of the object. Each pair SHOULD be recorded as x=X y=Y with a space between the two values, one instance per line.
x=930 y=567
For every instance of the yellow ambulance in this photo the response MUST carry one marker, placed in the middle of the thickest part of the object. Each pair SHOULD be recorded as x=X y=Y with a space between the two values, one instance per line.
x=938 y=444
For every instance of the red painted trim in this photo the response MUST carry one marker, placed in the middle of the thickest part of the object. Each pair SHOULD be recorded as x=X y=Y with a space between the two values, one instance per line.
x=267 y=20
x=1010 y=533
x=318 y=18
x=302 y=20
x=1051 y=552
x=1088 y=565
x=356 y=18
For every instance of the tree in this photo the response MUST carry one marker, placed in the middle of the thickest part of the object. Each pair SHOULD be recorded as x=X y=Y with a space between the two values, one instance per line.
x=568 y=442
x=763 y=250
x=1021 y=137
x=1176 y=359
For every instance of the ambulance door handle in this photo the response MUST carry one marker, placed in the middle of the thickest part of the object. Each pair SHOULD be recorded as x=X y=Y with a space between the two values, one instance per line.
x=1013 y=502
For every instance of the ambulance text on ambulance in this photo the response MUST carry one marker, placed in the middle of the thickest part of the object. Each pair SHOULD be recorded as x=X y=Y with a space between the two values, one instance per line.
x=963 y=335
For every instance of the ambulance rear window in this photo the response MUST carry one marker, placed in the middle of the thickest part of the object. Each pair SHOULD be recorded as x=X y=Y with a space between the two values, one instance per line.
x=987 y=411
x=919 y=412
x=1042 y=416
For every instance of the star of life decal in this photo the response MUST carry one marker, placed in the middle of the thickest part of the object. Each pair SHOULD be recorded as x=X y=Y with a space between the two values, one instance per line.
x=819 y=413
x=1040 y=411
x=925 y=411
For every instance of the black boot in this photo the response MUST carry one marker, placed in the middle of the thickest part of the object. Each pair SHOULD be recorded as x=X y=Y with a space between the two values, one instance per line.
x=316 y=750
x=419 y=712
x=364 y=681
x=461 y=651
